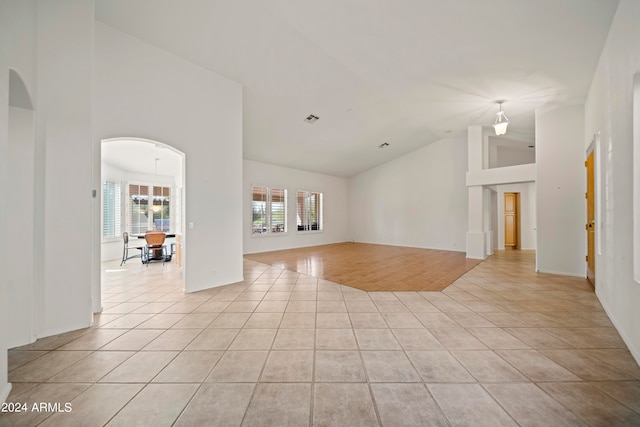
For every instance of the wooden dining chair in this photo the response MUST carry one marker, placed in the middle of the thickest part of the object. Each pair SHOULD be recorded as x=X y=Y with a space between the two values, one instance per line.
x=155 y=249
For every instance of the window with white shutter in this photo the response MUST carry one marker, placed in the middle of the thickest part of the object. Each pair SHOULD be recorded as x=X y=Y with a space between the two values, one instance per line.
x=148 y=208
x=268 y=210
x=309 y=211
x=111 y=210
x=138 y=208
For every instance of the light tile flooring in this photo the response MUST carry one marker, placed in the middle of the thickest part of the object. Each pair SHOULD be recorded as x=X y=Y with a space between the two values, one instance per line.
x=502 y=346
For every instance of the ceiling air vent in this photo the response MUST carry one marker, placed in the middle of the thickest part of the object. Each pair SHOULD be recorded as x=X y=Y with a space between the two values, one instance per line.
x=311 y=119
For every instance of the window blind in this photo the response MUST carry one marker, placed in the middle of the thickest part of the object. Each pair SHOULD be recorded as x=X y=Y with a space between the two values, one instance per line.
x=111 y=209
x=310 y=211
x=259 y=210
x=268 y=210
x=161 y=208
x=278 y=210
x=138 y=204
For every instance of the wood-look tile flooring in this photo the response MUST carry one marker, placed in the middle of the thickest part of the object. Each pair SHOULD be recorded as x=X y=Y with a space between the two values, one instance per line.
x=373 y=267
x=502 y=346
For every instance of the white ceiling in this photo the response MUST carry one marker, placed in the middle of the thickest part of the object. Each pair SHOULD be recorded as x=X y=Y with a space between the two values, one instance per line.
x=405 y=72
x=139 y=156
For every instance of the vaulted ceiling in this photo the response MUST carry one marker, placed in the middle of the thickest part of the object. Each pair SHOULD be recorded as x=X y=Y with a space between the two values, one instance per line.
x=407 y=72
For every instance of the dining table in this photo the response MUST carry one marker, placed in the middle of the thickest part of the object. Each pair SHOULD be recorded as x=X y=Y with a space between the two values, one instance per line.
x=158 y=254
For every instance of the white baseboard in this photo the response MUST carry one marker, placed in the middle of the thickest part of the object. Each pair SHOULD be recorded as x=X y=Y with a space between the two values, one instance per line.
x=562 y=273
x=635 y=352
x=4 y=392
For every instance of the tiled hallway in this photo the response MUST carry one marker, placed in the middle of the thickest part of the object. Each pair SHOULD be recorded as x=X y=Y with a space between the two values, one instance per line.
x=502 y=346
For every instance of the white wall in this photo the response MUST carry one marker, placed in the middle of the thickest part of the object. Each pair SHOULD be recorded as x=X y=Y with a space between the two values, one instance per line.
x=506 y=152
x=20 y=271
x=479 y=235
x=18 y=47
x=503 y=175
x=527 y=225
x=608 y=110
x=560 y=186
x=418 y=200
x=141 y=91
x=65 y=52
x=494 y=218
x=335 y=198
x=50 y=47
x=514 y=156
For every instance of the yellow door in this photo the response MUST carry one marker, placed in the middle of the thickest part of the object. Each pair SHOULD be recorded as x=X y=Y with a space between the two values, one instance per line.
x=510 y=220
x=591 y=223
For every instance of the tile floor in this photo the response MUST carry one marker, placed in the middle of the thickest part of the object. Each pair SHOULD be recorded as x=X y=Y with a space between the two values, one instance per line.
x=502 y=346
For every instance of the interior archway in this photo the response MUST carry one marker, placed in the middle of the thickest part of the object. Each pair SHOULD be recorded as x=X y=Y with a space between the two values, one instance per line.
x=128 y=162
x=23 y=269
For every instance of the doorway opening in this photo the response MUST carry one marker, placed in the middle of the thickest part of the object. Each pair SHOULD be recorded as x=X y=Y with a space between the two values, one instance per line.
x=24 y=235
x=142 y=188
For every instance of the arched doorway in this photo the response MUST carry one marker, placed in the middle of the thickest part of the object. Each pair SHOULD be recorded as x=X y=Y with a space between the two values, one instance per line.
x=135 y=175
x=24 y=198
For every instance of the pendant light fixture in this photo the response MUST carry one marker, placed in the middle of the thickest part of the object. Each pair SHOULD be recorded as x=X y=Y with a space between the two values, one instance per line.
x=501 y=122
x=154 y=207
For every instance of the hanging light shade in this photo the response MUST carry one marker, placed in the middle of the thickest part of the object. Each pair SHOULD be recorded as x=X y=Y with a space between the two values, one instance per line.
x=501 y=122
x=154 y=207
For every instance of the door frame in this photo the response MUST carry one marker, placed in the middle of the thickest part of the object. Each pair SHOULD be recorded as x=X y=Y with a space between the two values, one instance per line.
x=517 y=209
x=591 y=211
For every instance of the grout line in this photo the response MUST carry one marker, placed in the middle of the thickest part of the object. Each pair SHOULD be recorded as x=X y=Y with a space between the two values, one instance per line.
x=488 y=286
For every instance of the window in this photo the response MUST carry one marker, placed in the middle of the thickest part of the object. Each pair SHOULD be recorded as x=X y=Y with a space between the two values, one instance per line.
x=110 y=210
x=268 y=210
x=138 y=212
x=161 y=208
x=309 y=211
x=139 y=219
